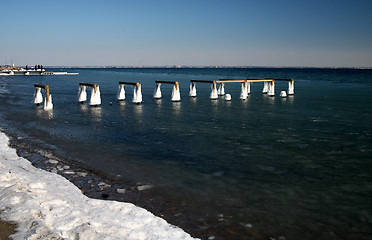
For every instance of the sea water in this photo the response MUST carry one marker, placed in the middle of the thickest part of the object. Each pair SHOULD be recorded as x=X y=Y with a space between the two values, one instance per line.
x=288 y=168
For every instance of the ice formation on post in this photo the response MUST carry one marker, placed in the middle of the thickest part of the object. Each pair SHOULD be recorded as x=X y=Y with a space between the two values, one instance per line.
x=48 y=105
x=291 y=87
x=157 y=93
x=248 y=88
x=137 y=93
x=38 y=98
x=95 y=97
x=271 y=91
x=82 y=95
x=214 y=93
x=221 y=89
x=176 y=95
x=244 y=91
x=192 y=92
x=266 y=87
x=121 y=93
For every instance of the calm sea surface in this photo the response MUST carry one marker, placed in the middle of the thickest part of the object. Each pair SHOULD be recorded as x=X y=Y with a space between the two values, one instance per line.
x=289 y=168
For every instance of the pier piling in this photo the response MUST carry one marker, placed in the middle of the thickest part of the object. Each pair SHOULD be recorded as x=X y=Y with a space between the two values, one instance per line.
x=38 y=98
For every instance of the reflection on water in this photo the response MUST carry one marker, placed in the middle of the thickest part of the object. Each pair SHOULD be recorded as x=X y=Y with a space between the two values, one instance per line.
x=176 y=109
x=96 y=113
x=158 y=103
x=244 y=103
x=269 y=99
x=83 y=107
x=193 y=100
x=138 y=111
x=122 y=107
x=227 y=103
x=45 y=114
x=214 y=104
x=122 y=103
x=290 y=99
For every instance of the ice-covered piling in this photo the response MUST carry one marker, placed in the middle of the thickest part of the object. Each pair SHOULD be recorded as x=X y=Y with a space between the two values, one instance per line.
x=192 y=92
x=82 y=95
x=121 y=93
x=137 y=93
x=214 y=93
x=38 y=98
x=48 y=105
x=266 y=87
x=291 y=87
x=157 y=93
x=95 y=97
x=271 y=91
x=221 y=89
x=244 y=91
x=176 y=95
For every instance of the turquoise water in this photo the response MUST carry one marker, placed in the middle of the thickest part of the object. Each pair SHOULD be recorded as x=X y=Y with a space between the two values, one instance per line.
x=298 y=167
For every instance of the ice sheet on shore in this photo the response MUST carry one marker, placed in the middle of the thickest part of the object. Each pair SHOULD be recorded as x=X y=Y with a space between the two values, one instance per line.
x=45 y=205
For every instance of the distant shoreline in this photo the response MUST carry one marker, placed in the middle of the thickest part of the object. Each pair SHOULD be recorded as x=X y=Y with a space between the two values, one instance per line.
x=206 y=67
x=7 y=67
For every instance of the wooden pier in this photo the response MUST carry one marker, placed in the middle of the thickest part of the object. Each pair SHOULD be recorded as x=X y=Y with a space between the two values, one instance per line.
x=137 y=92
x=46 y=88
x=269 y=88
x=269 y=84
x=176 y=96
x=93 y=85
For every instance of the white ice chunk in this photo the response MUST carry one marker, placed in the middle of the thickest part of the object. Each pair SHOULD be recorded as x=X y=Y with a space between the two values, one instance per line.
x=227 y=97
x=283 y=94
x=121 y=190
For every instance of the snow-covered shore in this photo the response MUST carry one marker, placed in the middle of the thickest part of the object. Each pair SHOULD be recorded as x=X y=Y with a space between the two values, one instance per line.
x=45 y=205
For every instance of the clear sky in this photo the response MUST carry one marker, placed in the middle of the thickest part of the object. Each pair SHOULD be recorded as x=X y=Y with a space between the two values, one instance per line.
x=317 y=33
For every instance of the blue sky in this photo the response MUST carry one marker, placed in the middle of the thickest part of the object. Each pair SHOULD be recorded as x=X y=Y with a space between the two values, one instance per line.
x=324 y=33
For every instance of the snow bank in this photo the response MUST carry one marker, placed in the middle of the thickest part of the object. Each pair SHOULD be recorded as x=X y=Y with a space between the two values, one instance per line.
x=45 y=205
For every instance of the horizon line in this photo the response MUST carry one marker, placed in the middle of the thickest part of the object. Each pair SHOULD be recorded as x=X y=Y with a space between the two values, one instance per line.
x=192 y=66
